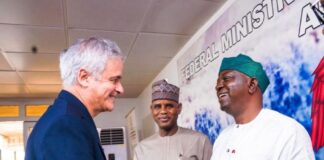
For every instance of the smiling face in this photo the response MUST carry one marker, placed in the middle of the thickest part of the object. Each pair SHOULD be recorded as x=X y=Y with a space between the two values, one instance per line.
x=102 y=92
x=232 y=91
x=165 y=114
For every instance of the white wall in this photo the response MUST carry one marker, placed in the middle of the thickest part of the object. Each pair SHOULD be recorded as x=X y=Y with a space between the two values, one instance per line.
x=116 y=118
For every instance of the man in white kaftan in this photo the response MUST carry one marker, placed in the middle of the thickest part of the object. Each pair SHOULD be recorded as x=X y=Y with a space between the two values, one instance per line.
x=270 y=135
x=258 y=134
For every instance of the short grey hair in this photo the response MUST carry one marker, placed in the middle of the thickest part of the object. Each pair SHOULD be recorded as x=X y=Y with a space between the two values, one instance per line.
x=92 y=54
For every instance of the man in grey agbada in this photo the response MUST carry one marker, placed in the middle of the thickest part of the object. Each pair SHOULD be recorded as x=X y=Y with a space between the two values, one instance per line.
x=171 y=141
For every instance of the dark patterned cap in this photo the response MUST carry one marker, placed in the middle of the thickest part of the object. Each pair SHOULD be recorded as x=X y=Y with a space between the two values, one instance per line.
x=163 y=90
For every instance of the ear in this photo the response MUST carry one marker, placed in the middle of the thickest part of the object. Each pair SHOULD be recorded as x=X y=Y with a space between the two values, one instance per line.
x=179 y=108
x=253 y=85
x=83 y=78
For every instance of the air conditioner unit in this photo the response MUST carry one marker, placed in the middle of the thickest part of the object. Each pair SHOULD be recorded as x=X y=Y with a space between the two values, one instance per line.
x=113 y=141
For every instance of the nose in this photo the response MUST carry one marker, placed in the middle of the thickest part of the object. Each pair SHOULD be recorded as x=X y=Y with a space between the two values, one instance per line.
x=163 y=110
x=120 y=88
x=219 y=85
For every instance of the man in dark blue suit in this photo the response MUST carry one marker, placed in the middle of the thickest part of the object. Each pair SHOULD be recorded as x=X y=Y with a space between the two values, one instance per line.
x=91 y=71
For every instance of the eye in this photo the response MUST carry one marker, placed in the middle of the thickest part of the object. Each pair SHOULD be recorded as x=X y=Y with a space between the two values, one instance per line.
x=227 y=77
x=156 y=107
x=169 y=106
x=115 y=80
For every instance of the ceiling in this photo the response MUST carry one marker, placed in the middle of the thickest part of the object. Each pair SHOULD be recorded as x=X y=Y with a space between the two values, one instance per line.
x=149 y=32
